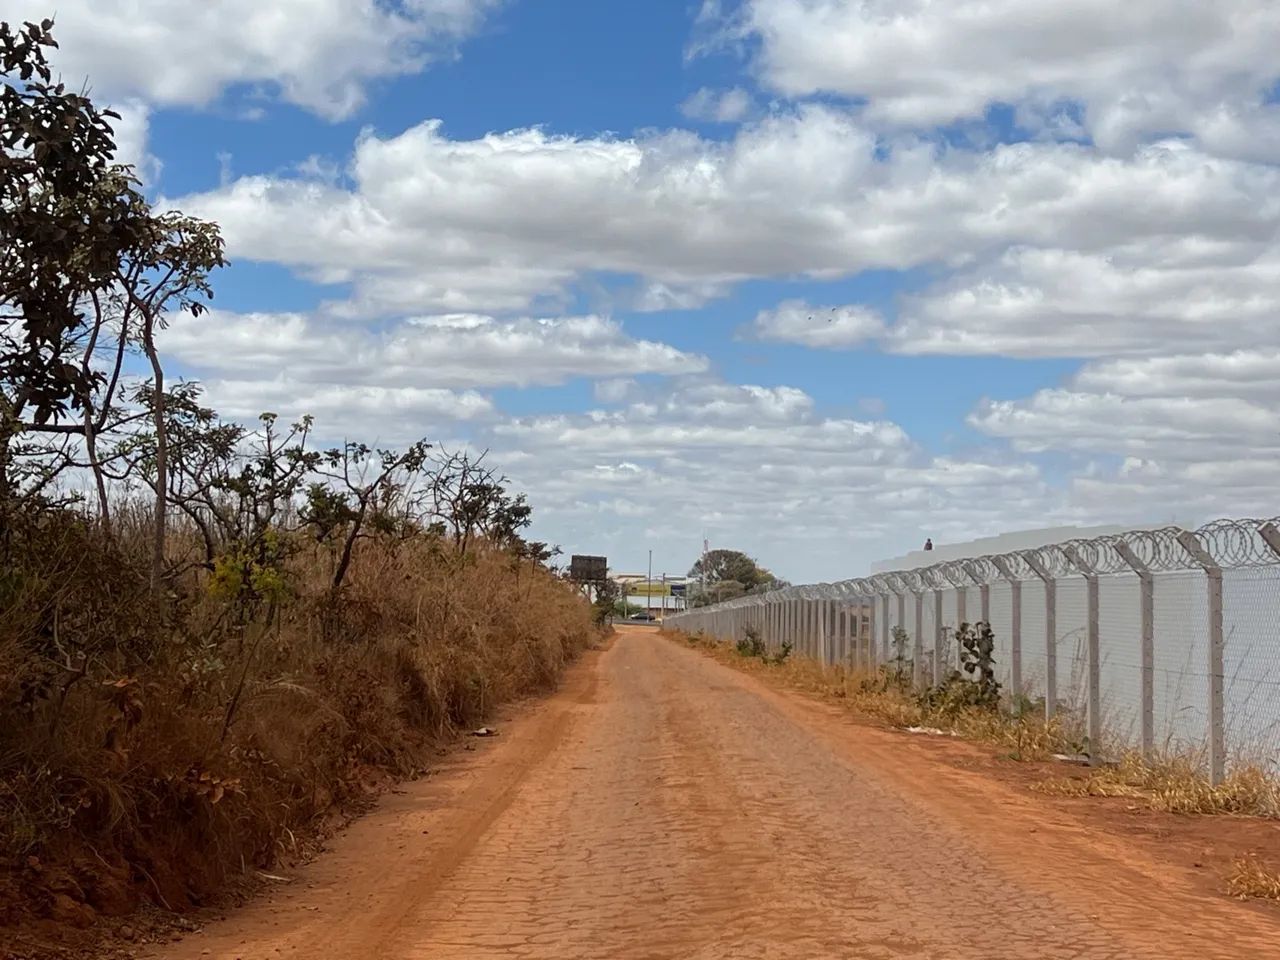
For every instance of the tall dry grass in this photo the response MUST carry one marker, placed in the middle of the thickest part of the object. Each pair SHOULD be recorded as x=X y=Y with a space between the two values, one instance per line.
x=159 y=749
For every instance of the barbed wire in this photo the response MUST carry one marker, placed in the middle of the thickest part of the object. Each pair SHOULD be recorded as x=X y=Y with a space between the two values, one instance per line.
x=1220 y=545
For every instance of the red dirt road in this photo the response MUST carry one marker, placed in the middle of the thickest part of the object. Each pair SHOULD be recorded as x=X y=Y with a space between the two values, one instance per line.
x=662 y=805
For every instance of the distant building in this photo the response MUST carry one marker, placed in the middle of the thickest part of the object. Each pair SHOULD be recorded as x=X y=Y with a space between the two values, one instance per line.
x=656 y=596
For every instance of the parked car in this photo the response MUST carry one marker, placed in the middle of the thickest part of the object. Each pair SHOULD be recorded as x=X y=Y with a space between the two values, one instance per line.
x=642 y=615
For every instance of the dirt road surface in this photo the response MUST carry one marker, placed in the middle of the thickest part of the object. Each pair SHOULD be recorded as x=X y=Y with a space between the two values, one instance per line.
x=662 y=805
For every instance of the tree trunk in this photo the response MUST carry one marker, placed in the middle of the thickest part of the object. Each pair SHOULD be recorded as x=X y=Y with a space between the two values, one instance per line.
x=100 y=481
x=162 y=452
x=349 y=545
x=91 y=428
x=6 y=487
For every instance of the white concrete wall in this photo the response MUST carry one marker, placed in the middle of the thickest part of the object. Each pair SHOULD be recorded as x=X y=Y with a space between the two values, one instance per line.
x=1004 y=543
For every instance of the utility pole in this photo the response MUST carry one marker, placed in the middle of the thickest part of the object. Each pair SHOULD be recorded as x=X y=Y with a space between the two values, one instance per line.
x=702 y=590
x=648 y=593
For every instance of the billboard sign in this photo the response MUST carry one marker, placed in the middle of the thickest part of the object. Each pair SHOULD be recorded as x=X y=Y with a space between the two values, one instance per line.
x=588 y=569
x=655 y=588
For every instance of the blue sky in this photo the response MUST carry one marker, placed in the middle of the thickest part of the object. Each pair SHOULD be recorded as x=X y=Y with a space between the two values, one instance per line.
x=811 y=280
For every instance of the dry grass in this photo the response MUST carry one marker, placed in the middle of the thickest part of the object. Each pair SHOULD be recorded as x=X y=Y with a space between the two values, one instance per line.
x=876 y=696
x=1252 y=880
x=1178 y=785
x=160 y=751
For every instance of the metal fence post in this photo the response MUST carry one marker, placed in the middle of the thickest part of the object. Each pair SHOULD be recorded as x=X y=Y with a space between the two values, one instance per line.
x=859 y=619
x=824 y=634
x=917 y=651
x=1094 y=653
x=1015 y=625
x=1050 y=633
x=812 y=618
x=937 y=636
x=798 y=638
x=836 y=642
x=807 y=627
x=1147 y=658
x=844 y=616
x=984 y=590
x=824 y=631
x=884 y=629
x=1217 y=744
x=833 y=633
x=870 y=608
x=902 y=612
x=853 y=626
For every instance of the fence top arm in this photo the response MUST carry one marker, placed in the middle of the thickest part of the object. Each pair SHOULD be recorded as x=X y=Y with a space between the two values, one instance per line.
x=1270 y=535
x=897 y=583
x=1037 y=566
x=1006 y=571
x=932 y=577
x=971 y=568
x=1191 y=543
x=1076 y=560
x=1132 y=559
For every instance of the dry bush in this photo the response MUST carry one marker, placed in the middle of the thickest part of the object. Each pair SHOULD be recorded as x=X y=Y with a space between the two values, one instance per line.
x=1178 y=785
x=1252 y=880
x=159 y=750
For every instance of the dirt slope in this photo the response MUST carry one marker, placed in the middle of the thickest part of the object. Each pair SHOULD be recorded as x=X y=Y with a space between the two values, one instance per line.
x=664 y=806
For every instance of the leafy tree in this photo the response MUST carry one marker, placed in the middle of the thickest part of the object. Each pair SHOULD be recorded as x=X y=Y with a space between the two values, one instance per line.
x=87 y=270
x=729 y=574
x=468 y=500
x=363 y=488
x=166 y=269
x=608 y=601
x=61 y=236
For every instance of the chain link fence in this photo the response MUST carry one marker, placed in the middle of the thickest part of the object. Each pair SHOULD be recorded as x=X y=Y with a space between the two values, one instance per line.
x=1163 y=640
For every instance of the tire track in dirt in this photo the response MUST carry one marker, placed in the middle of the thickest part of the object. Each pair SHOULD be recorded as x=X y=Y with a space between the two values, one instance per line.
x=664 y=806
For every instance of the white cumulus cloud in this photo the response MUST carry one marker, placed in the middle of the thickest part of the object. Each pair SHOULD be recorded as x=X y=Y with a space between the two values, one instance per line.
x=319 y=54
x=795 y=321
x=717 y=106
x=1134 y=69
